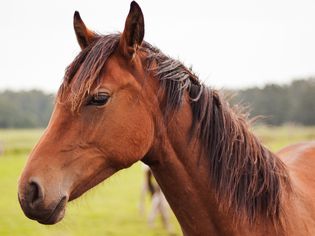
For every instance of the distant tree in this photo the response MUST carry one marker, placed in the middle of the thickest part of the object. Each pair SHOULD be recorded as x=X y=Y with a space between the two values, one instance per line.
x=25 y=109
x=281 y=103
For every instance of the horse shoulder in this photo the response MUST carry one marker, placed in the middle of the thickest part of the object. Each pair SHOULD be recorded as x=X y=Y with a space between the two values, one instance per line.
x=300 y=160
x=300 y=157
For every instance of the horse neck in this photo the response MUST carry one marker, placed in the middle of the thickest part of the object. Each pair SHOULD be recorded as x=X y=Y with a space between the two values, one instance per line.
x=174 y=168
x=182 y=169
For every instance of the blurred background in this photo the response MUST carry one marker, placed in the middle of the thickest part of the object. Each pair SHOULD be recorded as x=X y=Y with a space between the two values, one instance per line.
x=261 y=51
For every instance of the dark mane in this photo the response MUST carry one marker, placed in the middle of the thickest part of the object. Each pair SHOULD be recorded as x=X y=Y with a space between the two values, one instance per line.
x=248 y=180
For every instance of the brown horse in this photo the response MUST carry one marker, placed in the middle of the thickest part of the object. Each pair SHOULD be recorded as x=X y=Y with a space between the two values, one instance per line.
x=121 y=101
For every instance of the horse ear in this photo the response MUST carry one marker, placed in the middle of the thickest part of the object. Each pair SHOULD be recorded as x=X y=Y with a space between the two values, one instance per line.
x=133 y=33
x=84 y=36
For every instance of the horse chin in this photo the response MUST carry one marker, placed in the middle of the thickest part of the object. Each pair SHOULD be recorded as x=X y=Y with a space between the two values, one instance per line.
x=57 y=214
x=91 y=182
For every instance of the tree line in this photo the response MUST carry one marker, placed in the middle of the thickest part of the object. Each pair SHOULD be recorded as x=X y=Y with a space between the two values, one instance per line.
x=279 y=104
x=25 y=109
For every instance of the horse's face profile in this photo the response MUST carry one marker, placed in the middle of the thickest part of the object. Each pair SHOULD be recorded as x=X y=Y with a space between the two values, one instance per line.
x=101 y=123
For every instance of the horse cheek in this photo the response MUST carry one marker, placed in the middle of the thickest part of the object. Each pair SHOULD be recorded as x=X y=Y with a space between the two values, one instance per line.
x=139 y=139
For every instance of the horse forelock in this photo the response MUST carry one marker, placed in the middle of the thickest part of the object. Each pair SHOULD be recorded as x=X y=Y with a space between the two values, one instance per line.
x=84 y=71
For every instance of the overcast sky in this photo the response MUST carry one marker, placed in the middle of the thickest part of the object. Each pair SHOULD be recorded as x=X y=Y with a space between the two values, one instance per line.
x=229 y=43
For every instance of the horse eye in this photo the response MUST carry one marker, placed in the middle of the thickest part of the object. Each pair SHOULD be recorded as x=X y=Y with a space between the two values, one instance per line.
x=98 y=99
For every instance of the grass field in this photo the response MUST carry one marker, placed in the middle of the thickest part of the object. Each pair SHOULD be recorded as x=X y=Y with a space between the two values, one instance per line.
x=109 y=209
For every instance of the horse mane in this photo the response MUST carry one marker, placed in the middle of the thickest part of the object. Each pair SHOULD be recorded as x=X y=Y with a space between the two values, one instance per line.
x=248 y=180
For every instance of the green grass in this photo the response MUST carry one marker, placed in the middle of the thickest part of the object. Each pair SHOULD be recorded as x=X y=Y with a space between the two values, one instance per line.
x=109 y=209
x=18 y=141
x=276 y=138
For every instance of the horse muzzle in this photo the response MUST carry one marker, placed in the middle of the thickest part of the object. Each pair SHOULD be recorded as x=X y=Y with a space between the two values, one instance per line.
x=36 y=205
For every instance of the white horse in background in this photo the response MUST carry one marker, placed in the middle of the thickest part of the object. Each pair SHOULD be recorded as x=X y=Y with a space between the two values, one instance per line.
x=159 y=204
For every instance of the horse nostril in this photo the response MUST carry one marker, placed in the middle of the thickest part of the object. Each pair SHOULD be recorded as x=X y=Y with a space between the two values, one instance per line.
x=35 y=193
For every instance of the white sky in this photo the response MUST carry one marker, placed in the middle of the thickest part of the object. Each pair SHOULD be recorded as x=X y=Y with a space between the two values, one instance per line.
x=229 y=43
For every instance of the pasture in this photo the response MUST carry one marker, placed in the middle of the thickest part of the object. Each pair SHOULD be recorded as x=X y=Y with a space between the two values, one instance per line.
x=109 y=209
